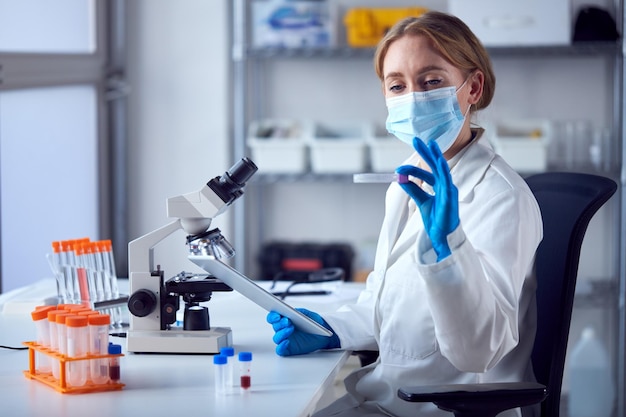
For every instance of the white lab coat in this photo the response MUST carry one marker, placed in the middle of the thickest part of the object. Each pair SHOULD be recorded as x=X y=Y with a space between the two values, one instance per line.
x=470 y=317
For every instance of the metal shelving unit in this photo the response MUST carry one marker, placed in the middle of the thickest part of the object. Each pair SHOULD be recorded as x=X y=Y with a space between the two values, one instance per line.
x=244 y=58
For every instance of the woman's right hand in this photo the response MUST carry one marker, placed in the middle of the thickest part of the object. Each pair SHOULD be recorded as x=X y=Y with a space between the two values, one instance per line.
x=291 y=341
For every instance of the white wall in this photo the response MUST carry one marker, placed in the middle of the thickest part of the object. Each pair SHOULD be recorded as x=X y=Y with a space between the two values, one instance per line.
x=178 y=60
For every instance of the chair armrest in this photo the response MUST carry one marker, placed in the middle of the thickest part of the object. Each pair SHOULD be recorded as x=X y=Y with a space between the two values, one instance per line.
x=471 y=398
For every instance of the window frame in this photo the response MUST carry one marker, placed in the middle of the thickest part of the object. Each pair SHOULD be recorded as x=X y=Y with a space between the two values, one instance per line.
x=103 y=68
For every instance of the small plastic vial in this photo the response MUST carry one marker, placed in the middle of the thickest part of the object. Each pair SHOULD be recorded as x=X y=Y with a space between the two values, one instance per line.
x=52 y=329
x=229 y=352
x=40 y=318
x=114 y=362
x=54 y=341
x=61 y=318
x=245 y=371
x=219 y=362
x=77 y=346
x=99 y=345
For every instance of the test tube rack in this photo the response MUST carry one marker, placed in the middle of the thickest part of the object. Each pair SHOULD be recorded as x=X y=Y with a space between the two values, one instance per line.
x=61 y=384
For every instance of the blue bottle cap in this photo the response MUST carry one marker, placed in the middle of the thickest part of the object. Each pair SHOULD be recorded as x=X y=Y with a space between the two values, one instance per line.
x=227 y=351
x=115 y=349
x=245 y=356
x=220 y=360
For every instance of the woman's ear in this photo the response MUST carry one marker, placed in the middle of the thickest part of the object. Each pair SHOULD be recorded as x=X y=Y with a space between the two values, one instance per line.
x=476 y=82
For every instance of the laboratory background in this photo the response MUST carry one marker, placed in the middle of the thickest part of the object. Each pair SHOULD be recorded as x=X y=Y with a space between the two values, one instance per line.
x=102 y=121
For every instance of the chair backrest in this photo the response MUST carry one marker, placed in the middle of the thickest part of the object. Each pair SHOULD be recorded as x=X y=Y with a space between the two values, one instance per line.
x=567 y=201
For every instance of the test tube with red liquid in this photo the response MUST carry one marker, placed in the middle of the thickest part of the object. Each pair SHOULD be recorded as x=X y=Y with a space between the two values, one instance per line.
x=245 y=374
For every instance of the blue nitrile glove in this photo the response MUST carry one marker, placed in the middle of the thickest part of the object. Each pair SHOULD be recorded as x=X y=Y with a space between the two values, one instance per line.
x=440 y=212
x=291 y=341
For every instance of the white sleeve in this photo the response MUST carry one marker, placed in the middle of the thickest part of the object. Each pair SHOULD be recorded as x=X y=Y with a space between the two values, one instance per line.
x=354 y=323
x=476 y=293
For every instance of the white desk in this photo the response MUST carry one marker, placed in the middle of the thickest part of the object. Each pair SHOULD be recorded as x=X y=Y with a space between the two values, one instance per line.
x=166 y=385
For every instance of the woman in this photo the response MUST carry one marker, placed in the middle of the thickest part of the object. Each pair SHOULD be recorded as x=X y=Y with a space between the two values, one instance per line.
x=451 y=297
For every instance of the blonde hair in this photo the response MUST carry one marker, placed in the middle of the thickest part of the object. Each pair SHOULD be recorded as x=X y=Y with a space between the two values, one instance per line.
x=454 y=41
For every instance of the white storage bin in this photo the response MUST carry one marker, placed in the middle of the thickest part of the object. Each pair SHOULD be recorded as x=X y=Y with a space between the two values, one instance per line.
x=522 y=143
x=339 y=147
x=279 y=146
x=386 y=151
x=516 y=23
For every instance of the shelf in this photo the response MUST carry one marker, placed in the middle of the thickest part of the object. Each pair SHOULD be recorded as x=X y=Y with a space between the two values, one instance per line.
x=573 y=50
x=598 y=293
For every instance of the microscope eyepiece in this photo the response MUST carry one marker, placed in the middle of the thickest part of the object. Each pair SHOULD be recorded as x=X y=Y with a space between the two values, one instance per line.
x=229 y=186
x=242 y=171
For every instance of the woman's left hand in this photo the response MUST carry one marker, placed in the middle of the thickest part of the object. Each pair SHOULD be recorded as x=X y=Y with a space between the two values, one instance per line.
x=440 y=212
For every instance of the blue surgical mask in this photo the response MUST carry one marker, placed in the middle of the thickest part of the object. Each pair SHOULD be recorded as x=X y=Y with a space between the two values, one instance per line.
x=427 y=115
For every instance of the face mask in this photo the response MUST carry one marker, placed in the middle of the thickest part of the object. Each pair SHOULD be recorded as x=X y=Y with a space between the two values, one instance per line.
x=427 y=115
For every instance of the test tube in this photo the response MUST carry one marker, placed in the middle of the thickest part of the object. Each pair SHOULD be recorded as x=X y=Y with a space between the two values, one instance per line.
x=106 y=248
x=219 y=362
x=99 y=345
x=114 y=362
x=54 y=260
x=101 y=270
x=69 y=270
x=60 y=319
x=77 y=345
x=40 y=318
x=75 y=266
x=87 y=288
x=229 y=352
x=245 y=371
x=54 y=340
x=94 y=275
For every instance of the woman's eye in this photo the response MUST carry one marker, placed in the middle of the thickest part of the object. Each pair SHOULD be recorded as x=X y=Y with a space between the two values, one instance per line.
x=396 y=88
x=432 y=83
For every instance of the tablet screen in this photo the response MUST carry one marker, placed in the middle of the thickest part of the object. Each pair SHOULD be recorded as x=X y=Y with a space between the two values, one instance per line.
x=249 y=289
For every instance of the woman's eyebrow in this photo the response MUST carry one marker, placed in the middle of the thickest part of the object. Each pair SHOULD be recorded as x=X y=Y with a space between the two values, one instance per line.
x=422 y=70
x=393 y=75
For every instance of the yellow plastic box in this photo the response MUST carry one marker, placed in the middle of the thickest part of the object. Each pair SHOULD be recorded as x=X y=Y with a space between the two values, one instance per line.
x=366 y=26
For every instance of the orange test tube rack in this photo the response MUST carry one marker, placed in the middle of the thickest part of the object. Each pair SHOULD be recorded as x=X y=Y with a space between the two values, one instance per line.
x=61 y=384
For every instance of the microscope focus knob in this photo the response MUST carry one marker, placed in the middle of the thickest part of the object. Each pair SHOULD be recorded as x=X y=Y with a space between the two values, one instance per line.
x=142 y=303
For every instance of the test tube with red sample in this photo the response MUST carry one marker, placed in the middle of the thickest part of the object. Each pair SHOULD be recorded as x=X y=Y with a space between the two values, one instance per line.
x=245 y=371
x=114 y=362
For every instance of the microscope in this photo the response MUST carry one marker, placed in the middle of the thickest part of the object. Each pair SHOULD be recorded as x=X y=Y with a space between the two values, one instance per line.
x=154 y=300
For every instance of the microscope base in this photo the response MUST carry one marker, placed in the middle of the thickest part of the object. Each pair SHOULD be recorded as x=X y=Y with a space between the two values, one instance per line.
x=179 y=340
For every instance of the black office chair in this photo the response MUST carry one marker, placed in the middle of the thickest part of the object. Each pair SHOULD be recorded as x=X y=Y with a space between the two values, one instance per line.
x=567 y=201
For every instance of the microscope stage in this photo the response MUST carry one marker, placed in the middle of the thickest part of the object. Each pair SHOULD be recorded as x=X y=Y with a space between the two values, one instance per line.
x=179 y=340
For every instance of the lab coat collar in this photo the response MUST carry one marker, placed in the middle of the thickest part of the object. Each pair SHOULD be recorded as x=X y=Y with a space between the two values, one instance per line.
x=469 y=165
x=472 y=165
x=467 y=171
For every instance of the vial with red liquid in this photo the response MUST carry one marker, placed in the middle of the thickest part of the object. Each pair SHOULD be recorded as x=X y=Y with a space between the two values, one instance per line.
x=245 y=371
x=114 y=363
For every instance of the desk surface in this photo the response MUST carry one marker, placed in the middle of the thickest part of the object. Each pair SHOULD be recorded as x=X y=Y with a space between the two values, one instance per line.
x=163 y=384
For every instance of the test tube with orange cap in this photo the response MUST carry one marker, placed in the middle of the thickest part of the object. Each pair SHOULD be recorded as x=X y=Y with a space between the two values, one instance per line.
x=87 y=288
x=40 y=318
x=108 y=259
x=66 y=257
x=54 y=260
x=99 y=345
x=77 y=346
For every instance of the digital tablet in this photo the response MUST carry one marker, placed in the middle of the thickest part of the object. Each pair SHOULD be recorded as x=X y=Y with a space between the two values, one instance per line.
x=249 y=289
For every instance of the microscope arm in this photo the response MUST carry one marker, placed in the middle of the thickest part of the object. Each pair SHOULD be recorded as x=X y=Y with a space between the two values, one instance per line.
x=140 y=250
